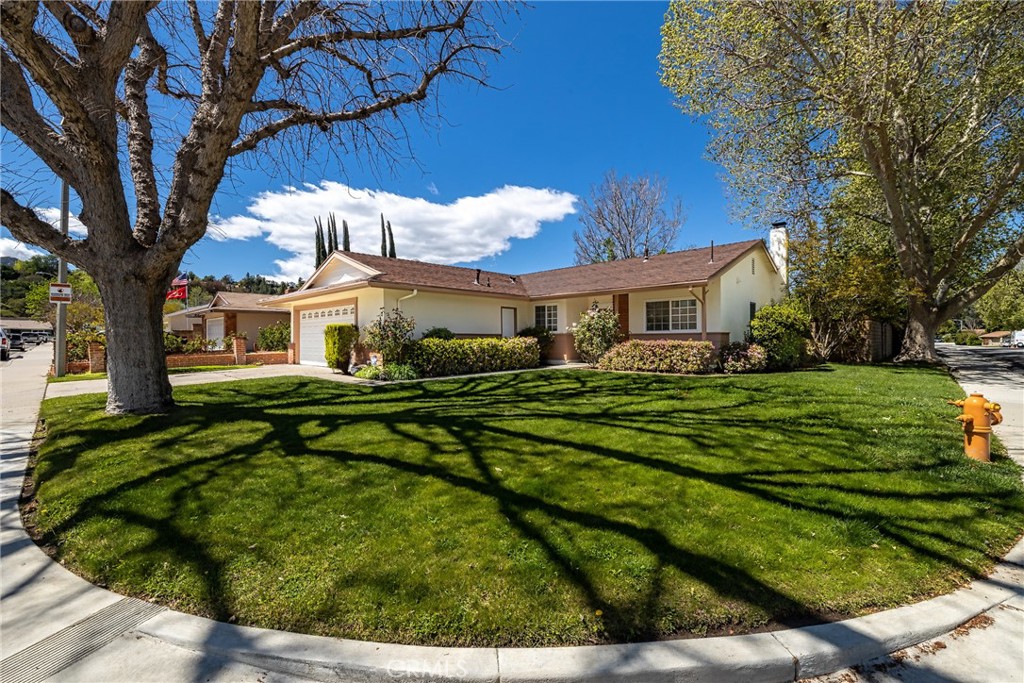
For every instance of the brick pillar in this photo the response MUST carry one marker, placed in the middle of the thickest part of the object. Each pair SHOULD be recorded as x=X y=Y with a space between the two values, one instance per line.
x=238 y=348
x=97 y=357
x=291 y=353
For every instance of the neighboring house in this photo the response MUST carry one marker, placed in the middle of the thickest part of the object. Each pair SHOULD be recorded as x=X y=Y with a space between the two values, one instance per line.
x=229 y=313
x=995 y=338
x=25 y=325
x=709 y=293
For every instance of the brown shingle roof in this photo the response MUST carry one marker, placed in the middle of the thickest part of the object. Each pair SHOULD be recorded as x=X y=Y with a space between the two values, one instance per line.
x=243 y=300
x=690 y=266
x=401 y=271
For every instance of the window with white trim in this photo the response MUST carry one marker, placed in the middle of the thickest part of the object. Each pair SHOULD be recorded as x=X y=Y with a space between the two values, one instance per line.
x=675 y=315
x=547 y=317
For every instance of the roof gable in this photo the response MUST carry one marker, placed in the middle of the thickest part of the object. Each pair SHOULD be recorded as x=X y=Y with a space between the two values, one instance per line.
x=338 y=268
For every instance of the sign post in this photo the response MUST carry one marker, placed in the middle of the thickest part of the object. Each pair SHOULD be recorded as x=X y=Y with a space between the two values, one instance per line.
x=60 y=293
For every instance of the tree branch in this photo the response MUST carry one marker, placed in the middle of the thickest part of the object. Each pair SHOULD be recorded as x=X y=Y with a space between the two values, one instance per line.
x=25 y=225
x=140 y=139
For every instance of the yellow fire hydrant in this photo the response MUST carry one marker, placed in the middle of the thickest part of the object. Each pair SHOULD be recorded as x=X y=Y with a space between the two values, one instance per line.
x=978 y=417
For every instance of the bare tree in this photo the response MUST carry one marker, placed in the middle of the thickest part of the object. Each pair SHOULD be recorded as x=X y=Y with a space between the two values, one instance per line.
x=212 y=82
x=625 y=218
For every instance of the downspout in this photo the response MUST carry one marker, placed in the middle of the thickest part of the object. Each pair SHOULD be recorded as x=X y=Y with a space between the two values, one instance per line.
x=703 y=311
x=398 y=304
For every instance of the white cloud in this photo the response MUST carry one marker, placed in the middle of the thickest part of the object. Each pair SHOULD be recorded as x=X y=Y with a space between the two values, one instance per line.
x=18 y=250
x=432 y=189
x=468 y=229
x=52 y=216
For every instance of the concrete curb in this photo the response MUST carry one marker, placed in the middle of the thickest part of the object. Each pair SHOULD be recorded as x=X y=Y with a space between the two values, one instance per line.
x=756 y=658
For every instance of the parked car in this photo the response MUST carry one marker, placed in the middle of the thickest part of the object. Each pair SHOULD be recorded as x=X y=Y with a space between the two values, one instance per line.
x=16 y=342
x=5 y=346
x=1017 y=339
x=30 y=337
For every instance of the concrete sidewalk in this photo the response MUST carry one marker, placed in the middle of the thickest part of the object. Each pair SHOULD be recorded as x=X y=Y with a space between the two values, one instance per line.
x=56 y=626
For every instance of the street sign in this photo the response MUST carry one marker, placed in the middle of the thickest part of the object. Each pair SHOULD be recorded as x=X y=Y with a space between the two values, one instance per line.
x=60 y=293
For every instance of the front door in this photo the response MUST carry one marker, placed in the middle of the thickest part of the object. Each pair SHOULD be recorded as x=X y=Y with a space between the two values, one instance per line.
x=508 y=322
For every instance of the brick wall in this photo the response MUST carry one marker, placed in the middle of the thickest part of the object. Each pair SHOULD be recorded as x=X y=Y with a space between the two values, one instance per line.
x=267 y=357
x=191 y=360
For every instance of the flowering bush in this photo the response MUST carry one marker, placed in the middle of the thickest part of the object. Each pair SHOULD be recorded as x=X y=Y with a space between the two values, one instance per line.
x=173 y=343
x=441 y=357
x=595 y=333
x=390 y=334
x=740 y=357
x=681 y=357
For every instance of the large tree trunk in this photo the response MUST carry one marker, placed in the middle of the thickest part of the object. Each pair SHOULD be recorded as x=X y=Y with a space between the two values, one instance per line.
x=919 y=339
x=136 y=366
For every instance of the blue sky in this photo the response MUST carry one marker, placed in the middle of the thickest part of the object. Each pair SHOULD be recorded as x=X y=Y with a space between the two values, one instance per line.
x=578 y=94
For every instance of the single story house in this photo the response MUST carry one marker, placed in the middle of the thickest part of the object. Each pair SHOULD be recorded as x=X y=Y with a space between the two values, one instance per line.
x=709 y=293
x=995 y=338
x=227 y=314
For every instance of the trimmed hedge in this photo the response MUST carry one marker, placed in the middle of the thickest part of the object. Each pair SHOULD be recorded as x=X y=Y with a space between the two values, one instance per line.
x=442 y=357
x=338 y=342
x=679 y=357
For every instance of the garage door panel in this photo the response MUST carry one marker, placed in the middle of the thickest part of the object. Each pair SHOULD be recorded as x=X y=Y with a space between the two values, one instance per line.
x=311 y=331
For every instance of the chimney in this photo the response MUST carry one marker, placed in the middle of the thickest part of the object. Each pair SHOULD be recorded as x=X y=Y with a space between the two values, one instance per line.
x=488 y=281
x=778 y=248
x=647 y=254
x=712 y=252
x=477 y=280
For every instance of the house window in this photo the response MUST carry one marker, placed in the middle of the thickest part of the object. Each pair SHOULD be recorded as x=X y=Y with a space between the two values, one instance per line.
x=546 y=317
x=753 y=309
x=678 y=315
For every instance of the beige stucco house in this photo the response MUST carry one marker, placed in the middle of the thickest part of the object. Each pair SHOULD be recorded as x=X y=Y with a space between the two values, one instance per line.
x=227 y=314
x=709 y=293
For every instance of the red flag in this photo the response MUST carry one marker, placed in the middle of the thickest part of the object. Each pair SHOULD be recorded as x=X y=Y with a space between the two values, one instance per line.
x=178 y=293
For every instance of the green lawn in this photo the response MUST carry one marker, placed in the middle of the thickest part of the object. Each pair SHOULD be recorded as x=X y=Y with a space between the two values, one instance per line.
x=537 y=508
x=170 y=371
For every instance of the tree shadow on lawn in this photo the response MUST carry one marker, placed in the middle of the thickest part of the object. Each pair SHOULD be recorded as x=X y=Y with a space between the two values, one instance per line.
x=467 y=429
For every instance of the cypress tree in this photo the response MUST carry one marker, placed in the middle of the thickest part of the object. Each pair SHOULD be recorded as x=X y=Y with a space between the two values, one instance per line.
x=383 y=238
x=332 y=234
x=345 y=246
x=321 y=250
x=391 y=242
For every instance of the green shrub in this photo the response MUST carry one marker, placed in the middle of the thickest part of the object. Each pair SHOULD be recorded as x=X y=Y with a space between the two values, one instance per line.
x=783 y=330
x=543 y=336
x=967 y=337
x=680 y=357
x=77 y=344
x=198 y=345
x=338 y=342
x=274 y=337
x=173 y=343
x=390 y=334
x=371 y=372
x=596 y=333
x=742 y=357
x=442 y=357
x=228 y=342
x=388 y=373
x=399 y=371
x=438 y=333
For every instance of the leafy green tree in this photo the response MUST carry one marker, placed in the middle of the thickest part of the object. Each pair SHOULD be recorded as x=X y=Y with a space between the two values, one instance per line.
x=913 y=110
x=345 y=244
x=383 y=238
x=391 y=242
x=1002 y=308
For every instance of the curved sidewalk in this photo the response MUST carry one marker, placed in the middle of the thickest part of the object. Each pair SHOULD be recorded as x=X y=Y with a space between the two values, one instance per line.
x=56 y=626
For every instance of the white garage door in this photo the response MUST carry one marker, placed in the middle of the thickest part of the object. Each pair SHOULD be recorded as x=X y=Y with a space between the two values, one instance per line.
x=215 y=328
x=311 y=331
